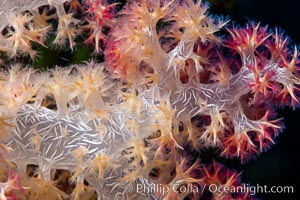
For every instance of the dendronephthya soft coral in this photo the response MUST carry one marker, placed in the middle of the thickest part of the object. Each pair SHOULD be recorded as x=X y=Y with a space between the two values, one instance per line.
x=171 y=85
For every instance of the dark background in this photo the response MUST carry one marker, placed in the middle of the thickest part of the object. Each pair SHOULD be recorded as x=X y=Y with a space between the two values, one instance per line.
x=279 y=165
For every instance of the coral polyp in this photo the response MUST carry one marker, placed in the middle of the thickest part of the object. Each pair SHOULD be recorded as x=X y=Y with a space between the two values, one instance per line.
x=175 y=81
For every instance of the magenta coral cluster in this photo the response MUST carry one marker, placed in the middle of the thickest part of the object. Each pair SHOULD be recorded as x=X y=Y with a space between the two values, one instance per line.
x=175 y=81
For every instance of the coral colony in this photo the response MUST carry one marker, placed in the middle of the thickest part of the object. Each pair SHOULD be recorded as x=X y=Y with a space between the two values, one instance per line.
x=175 y=81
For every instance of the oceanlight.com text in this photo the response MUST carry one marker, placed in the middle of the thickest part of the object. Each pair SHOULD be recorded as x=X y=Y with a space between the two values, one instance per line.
x=250 y=189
